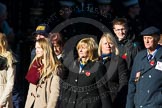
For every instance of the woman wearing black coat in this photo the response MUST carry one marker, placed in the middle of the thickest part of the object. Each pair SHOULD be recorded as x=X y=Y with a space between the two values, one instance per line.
x=117 y=72
x=85 y=85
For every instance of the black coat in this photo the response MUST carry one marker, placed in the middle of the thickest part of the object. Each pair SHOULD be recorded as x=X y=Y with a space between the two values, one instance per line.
x=128 y=50
x=117 y=77
x=85 y=89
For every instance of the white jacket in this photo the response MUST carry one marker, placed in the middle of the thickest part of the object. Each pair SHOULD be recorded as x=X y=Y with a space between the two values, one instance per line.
x=6 y=85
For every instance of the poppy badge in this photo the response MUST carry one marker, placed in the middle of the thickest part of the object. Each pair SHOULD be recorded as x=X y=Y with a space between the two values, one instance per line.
x=124 y=56
x=87 y=73
x=152 y=62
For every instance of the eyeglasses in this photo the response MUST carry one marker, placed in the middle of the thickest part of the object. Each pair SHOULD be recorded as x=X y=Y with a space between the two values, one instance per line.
x=122 y=29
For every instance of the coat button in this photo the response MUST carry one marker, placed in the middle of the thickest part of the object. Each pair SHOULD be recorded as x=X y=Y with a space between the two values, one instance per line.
x=141 y=106
x=32 y=94
x=73 y=102
x=76 y=80
x=38 y=95
x=87 y=93
x=149 y=76
x=148 y=91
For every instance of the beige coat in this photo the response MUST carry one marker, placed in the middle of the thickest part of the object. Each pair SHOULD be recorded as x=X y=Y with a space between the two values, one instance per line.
x=6 y=85
x=45 y=94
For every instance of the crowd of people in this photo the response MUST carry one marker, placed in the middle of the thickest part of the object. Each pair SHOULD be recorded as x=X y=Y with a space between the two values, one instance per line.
x=117 y=69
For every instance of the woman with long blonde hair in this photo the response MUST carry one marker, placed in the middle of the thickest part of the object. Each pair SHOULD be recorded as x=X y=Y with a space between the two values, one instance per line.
x=7 y=73
x=43 y=77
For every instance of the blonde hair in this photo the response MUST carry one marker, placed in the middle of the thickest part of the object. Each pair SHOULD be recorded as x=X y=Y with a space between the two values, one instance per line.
x=50 y=63
x=3 y=43
x=4 y=49
x=110 y=38
x=91 y=46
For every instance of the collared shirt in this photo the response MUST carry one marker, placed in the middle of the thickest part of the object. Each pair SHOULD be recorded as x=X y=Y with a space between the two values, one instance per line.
x=153 y=54
x=59 y=56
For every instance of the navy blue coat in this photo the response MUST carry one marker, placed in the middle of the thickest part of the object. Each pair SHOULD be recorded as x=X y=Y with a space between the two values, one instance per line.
x=146 y=91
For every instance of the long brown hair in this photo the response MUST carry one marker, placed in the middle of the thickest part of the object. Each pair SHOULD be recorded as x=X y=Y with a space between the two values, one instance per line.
x=49 y=62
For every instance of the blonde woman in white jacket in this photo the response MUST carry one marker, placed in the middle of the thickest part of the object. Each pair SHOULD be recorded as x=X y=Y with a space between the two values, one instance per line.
x=7 y=73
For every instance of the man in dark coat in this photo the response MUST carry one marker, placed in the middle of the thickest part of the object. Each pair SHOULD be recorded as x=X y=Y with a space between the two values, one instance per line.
x=145 y=84
x=128 y=47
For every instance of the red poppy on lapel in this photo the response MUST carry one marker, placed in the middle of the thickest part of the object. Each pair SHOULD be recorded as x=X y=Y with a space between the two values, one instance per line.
x=124 y=56
x=152 y=62
x=87 y=73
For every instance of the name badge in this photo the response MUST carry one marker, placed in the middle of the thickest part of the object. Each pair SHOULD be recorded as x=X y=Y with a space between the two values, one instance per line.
x=159 y=66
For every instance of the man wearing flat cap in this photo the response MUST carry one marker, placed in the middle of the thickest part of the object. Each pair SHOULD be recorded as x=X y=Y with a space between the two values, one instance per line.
x=145 y=83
